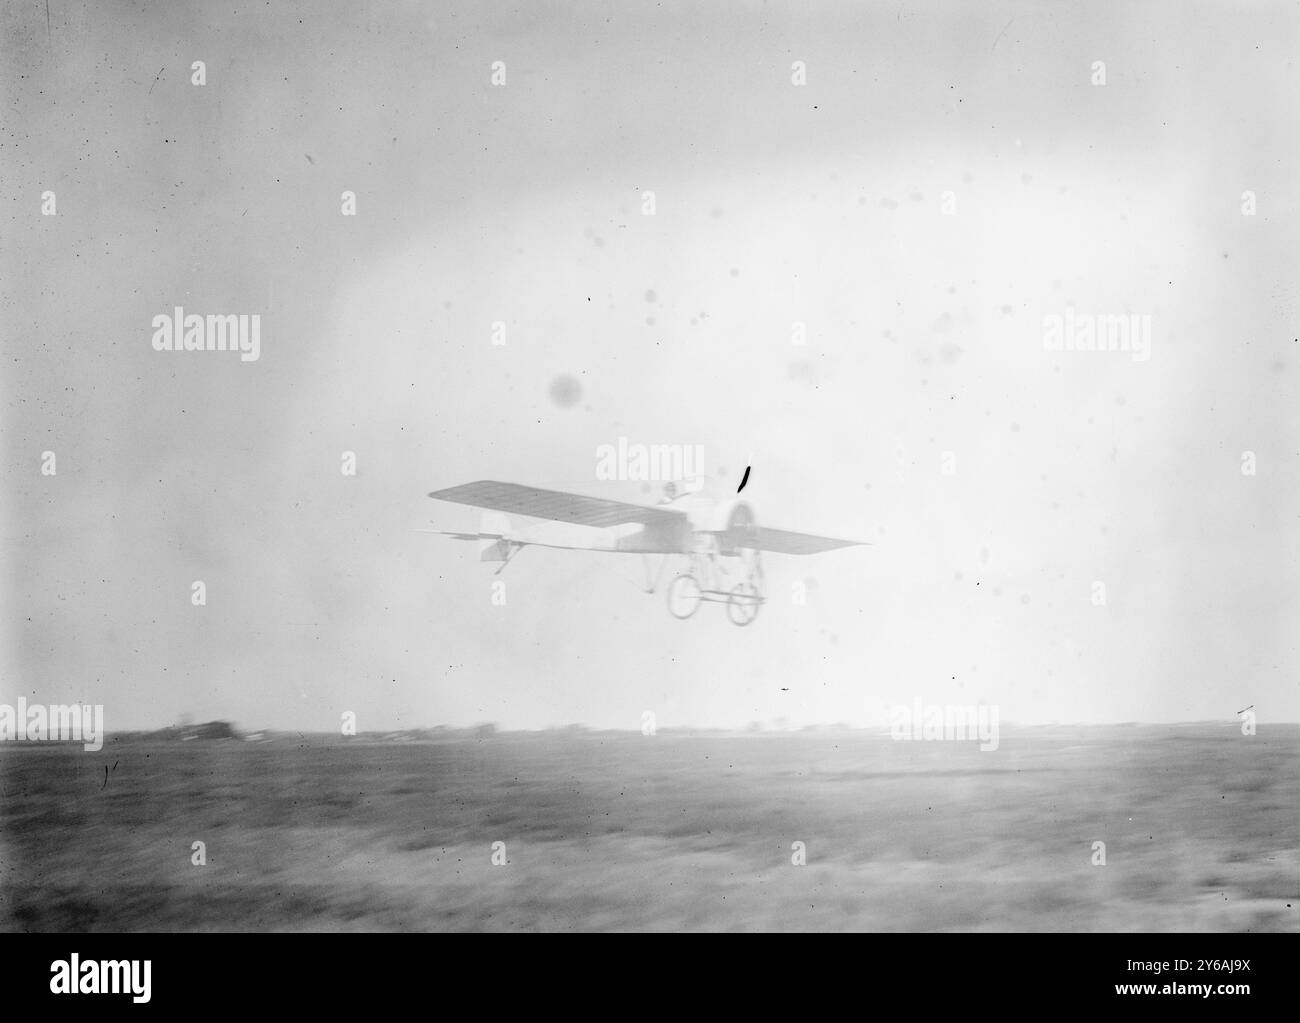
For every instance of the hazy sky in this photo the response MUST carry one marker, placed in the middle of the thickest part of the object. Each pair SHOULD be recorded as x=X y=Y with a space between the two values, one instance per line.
x=775 y=203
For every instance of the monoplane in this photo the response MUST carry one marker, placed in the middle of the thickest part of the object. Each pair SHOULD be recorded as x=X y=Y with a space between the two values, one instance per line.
x=716 y=544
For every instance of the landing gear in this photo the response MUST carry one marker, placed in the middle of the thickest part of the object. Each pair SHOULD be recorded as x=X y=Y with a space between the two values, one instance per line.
x=684 y=595
x=743 y=603
x=708 y=579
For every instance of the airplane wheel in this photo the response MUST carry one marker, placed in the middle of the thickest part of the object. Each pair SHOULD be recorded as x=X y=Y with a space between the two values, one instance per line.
x=684 y=596
x=742 y=604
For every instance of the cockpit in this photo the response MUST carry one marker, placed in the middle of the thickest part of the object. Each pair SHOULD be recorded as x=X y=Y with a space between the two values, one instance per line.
x=675 y=489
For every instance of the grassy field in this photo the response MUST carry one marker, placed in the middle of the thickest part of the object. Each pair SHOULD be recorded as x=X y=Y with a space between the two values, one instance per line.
x=626 y=832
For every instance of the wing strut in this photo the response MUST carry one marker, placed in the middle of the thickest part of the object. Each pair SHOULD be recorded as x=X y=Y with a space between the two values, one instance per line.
x=511 y=550
x=652 y=583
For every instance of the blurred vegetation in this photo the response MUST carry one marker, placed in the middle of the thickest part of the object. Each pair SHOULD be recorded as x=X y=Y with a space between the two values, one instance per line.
x=673 y=831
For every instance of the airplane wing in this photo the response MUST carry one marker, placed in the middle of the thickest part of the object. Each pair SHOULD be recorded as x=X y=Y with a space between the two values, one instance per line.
x=462 y=536
x=498 y=543
x=558 y=506
x=783 y=541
